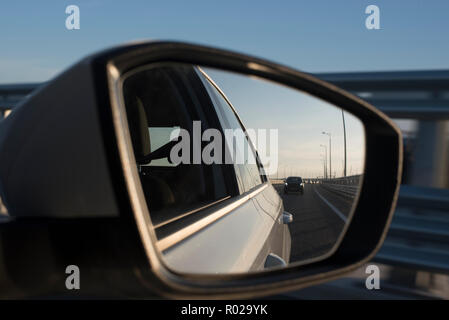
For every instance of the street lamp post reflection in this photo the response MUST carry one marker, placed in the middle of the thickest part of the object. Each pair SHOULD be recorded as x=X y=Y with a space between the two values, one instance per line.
x=330 y=152
x=325 y=160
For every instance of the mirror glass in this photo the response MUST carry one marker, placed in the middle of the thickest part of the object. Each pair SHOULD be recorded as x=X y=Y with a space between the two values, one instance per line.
x=240 y=174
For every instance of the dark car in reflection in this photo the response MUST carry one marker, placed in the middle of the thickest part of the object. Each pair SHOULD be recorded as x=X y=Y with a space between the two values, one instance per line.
x=294 y=184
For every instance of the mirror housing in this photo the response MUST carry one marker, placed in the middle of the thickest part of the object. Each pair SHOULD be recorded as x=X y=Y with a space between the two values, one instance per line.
x=67 y=164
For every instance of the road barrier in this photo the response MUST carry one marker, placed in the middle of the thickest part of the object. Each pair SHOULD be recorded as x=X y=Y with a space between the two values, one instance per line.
x=342 y=190
x=346 y=187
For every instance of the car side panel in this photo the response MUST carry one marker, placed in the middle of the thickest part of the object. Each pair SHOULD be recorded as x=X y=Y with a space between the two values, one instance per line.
x=231 y=244
x=278 y=241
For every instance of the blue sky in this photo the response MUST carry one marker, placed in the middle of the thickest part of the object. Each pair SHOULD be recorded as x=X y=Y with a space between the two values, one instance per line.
x=299 y=120
x=314 y=36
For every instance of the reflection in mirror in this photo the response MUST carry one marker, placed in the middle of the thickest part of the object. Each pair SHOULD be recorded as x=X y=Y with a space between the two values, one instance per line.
x=240 y=174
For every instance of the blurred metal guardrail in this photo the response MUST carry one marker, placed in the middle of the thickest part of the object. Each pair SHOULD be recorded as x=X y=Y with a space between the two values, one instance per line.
x=403 y=94
x=418 y=237
x=348 y=180
x=419 y=233
x=346 y=187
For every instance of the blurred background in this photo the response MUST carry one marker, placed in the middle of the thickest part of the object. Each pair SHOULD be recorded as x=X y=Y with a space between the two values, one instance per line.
x=402 y=69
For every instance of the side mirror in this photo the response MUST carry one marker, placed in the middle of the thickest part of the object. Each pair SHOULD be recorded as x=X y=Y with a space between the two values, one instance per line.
x=93 y=161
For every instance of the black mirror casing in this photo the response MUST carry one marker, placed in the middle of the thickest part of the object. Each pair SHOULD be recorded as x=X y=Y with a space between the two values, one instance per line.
x=91 y=117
